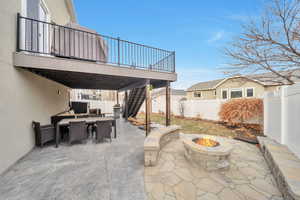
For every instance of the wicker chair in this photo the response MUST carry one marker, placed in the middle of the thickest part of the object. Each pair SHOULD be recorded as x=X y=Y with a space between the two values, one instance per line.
x=43 y=133
x=77 y=131
x=103 y=130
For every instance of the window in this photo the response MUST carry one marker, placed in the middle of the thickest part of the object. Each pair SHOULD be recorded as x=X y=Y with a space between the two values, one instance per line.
x=224 y=94
x=236 y=93
x=197 y=94
x=250 y=92
x=215 y=92
x=85 y=96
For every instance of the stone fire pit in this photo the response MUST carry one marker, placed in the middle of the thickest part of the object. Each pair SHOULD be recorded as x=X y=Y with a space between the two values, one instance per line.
x=210 y=158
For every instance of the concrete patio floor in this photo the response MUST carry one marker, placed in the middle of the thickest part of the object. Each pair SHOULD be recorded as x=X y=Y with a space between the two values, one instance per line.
x=174 y=178
x=82 y=171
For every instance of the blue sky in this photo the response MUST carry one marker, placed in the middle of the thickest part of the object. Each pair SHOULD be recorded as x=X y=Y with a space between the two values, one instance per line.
x=196 y=29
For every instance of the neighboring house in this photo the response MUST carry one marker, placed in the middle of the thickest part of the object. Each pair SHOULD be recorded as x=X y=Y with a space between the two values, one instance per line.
x=44 y=54
x=239 y=86
x=159 y=101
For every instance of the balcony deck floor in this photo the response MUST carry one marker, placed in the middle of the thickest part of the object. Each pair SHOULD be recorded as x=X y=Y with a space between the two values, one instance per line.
x=81 y=171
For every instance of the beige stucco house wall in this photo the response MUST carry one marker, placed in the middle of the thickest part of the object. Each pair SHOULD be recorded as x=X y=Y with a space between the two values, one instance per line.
x=24 y=95
x=240 y=83
x=205 y=94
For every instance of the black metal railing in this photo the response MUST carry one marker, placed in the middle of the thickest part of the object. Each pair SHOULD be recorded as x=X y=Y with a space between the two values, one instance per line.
x=75 y=42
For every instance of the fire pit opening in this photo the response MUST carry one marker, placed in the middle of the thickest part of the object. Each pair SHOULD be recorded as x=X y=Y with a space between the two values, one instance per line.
x=206 y=142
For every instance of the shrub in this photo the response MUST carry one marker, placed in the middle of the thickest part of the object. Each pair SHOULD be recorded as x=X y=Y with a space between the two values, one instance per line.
x=241 y=110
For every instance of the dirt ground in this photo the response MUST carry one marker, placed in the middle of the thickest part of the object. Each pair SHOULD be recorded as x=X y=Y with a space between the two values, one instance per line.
x=196 y=126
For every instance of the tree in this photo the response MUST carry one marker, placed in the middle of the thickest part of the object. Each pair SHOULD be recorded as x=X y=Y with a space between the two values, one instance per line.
x=271 y=43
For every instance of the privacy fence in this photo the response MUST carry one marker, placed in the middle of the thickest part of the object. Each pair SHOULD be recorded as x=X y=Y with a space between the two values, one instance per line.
x=282 y=116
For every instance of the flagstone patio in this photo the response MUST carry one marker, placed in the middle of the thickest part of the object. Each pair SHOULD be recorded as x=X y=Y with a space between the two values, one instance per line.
x=174 y=178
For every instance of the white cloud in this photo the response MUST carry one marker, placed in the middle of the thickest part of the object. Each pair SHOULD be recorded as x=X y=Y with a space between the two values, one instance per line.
x=242 y=18
x=217 y=36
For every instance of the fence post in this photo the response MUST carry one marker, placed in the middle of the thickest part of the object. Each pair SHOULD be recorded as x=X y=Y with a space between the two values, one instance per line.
x=148 y=109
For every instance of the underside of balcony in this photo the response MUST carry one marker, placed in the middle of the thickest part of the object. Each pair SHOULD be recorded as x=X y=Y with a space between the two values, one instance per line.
x=90 y=75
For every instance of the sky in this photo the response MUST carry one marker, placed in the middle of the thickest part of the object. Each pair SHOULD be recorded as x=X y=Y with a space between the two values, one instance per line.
x=197 y=30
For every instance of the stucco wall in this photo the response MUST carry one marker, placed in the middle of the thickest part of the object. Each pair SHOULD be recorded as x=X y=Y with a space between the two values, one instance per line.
x=240 y=83
x=205 y=95
x=59 y=12
x=24 y=95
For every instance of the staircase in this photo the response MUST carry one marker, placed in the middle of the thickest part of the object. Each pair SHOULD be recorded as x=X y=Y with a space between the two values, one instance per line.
x=135 y=100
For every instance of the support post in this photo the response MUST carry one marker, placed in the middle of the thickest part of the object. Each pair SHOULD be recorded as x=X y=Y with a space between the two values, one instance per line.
x=148 y=109
x=168 y=105
x=117 y=97
x=126 y=105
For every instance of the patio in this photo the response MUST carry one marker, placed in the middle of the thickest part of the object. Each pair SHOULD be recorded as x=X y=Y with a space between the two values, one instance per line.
x=116 y=171
x=81 y=171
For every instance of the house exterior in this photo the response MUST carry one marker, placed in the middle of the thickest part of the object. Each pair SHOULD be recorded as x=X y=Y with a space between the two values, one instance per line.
x=44 y=54
x=251 y=86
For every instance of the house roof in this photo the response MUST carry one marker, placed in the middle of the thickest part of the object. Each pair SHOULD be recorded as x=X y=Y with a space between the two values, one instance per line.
x=266 y=79
x=173 y=92
x=207 y=85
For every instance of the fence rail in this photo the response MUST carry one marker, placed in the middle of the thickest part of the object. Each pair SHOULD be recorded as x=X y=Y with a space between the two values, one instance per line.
x=75 y=42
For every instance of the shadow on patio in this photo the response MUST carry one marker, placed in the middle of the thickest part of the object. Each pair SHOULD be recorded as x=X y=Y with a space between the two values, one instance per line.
x=82 y=171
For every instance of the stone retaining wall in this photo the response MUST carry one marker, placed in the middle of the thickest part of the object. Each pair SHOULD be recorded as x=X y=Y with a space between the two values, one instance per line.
x=285 y=167
x=156 y=140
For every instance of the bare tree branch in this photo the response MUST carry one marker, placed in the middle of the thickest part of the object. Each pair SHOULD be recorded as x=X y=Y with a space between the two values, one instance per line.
x=270 y=44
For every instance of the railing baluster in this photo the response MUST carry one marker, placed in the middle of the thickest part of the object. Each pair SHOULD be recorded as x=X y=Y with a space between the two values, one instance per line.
x=74 y=43
x=38 y=37
x=31 y=35
x=43 y=38
x=18 y=32
x=54 y=36
x=87 y=48
x=92 y=47
x=83 y=46
x=118 y=51
x=64 y=52
x=59 y=40
x=69 y=43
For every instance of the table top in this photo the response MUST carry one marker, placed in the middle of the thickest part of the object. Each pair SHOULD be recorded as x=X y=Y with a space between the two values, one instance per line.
x=86 y=119
x=73 y=114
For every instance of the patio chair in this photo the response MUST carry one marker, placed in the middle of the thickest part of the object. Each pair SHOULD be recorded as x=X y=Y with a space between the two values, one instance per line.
x=43 y=133
x=77 y=131
x=103 y=130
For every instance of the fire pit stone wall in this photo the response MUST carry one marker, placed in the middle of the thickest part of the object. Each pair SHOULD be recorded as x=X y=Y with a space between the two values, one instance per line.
x=209 y=158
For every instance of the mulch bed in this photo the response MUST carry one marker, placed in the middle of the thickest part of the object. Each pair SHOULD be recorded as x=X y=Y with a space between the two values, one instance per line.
x=246 y=132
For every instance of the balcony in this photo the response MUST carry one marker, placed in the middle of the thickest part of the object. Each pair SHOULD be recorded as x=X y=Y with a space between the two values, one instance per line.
x=75 y=42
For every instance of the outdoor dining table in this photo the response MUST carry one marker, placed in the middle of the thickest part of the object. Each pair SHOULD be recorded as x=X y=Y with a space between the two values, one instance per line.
x=88 y=120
